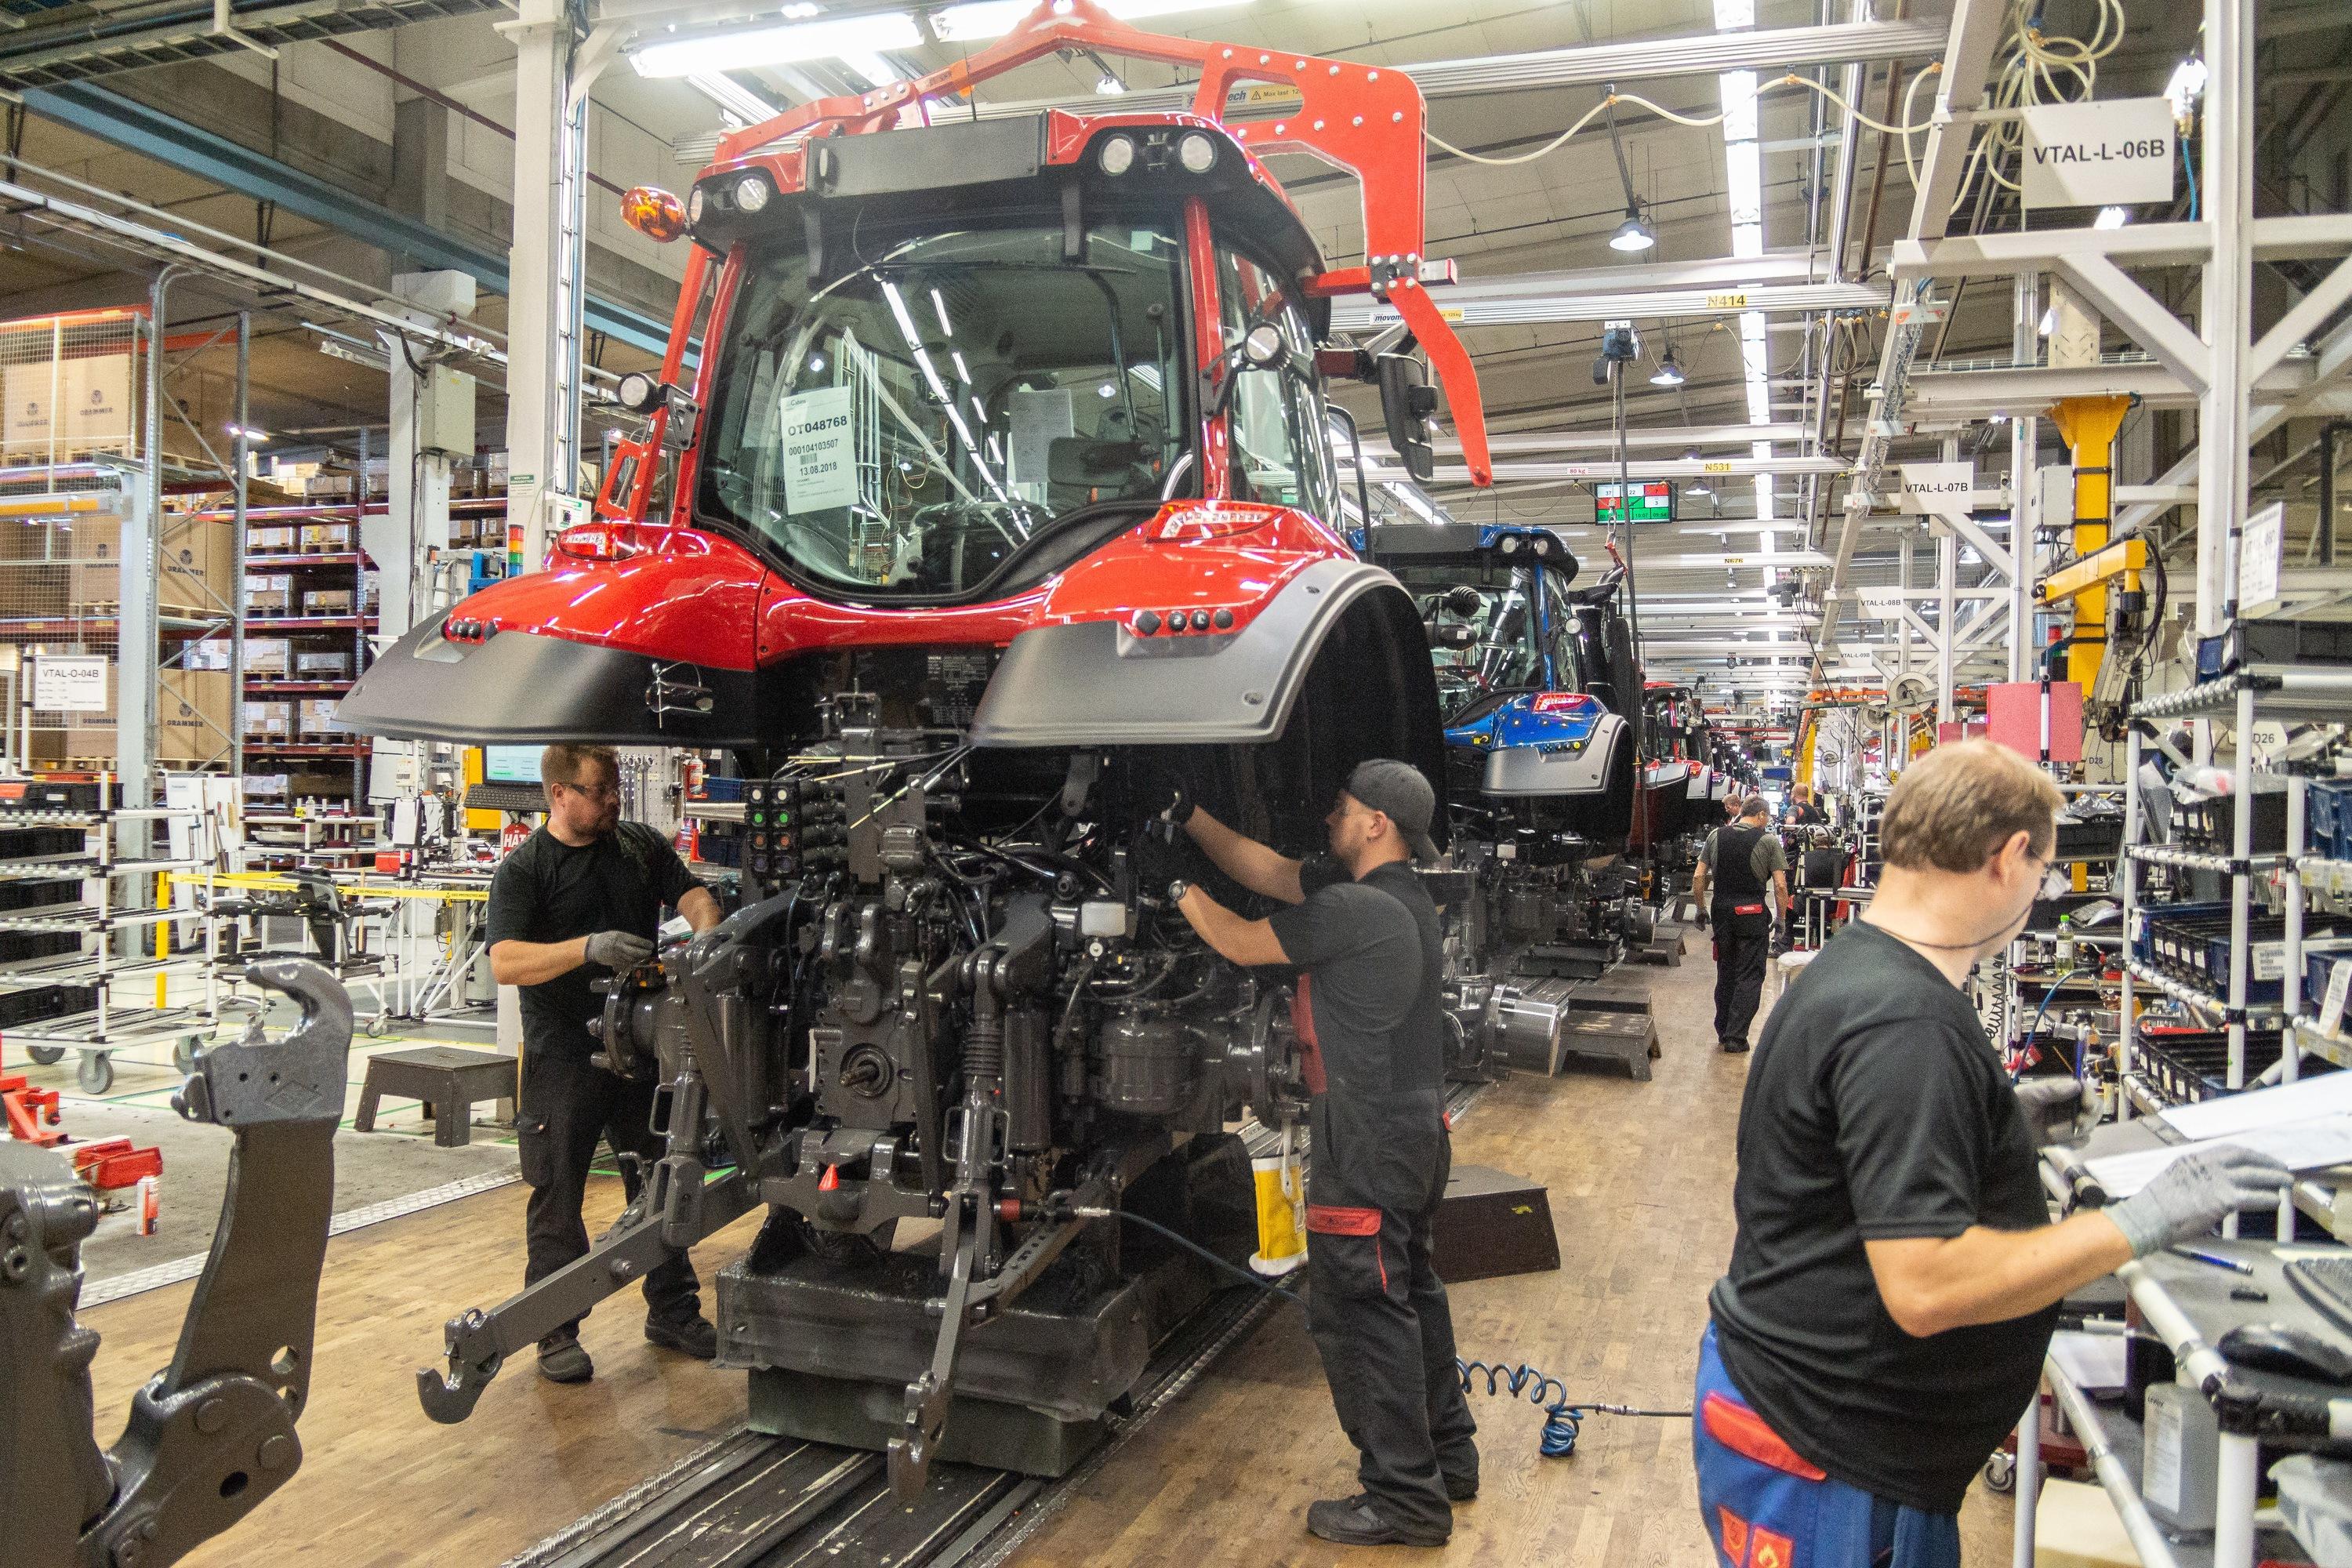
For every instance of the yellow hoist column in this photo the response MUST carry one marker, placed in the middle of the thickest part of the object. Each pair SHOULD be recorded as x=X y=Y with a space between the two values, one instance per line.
x=2088 y=426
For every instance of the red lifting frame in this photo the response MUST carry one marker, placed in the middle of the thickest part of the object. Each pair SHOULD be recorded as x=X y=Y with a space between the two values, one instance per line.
x=1367 y=120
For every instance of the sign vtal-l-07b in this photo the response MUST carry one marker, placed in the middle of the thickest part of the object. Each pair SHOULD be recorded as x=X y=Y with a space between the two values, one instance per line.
x=2117 y=154
x=1936 y=487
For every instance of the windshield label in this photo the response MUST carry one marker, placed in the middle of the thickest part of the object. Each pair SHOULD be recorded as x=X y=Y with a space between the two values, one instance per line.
x=820 y=466
x=1039 y=417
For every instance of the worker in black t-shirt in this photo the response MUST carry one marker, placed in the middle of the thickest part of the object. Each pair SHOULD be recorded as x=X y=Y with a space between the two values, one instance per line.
x=579 y=900
x=1802 y=812
x=1895 y=1276
x=1365 y=932
x=1745 y=872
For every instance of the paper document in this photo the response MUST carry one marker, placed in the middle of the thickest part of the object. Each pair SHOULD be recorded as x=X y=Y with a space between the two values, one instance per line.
x=2304 y=1100
x=2300 y=1146
x=2092 y=1362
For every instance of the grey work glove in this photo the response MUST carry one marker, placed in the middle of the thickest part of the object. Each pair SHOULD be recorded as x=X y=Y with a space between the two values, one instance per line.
x=2052 y=1107
x=618 y=949
x=2195 y=1193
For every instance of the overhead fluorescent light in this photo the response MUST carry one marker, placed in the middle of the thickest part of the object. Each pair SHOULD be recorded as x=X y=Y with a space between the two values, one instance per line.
x=749 y=48
x=981 y=19
x=871 y=67
x=733 y=97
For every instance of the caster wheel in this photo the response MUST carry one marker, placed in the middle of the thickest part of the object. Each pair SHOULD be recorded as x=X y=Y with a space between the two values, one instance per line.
x=47 y=1056
x=2001 y=1473
x=183 y=1055
x=96 y=1074
x=378 y=1028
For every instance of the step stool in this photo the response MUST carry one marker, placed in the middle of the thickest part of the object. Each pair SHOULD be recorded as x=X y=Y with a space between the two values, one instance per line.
x=447 y=1079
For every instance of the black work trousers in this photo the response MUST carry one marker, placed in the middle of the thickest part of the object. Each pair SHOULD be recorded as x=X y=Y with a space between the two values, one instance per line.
x=1743 y=946
x=1379 y=1317
x=566 y=1103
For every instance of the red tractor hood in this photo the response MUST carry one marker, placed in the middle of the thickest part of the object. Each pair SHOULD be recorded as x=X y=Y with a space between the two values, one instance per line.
x=653 y=636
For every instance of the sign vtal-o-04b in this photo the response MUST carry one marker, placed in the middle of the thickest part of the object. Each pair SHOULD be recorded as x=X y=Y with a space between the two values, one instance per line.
x=2117 y=154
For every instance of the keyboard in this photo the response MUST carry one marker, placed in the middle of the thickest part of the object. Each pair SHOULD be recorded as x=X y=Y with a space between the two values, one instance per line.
x=2325 y=1283
x=518 y=798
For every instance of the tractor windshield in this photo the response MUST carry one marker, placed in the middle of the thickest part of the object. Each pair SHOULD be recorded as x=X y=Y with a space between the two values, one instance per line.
x=902 y=429
x=1488 y=633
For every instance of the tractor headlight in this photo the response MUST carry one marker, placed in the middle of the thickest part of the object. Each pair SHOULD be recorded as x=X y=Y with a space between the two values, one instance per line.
x=1197 y=152
x=751 y=193
x=1117 y=155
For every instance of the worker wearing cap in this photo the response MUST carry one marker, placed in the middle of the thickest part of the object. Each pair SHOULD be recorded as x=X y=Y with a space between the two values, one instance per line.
x=1746 y=870
x=1365 y=932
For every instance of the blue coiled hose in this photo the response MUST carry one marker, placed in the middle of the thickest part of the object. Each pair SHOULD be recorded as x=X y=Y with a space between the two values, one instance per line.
x=1563 y=1418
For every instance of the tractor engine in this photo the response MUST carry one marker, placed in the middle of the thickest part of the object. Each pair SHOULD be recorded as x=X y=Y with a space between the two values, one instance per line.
x=932 y=1018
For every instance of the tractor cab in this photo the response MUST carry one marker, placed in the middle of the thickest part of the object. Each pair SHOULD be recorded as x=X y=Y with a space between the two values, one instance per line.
x=1525 y=681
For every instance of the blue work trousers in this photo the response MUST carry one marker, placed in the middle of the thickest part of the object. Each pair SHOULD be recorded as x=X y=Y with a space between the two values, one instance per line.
x=1766 y=1507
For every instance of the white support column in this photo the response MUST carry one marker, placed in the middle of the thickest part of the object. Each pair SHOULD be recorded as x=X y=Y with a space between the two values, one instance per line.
x=417 y=513
x=1947 y=572
x=542 y=367
x=2024 y=510
x=2228 y=186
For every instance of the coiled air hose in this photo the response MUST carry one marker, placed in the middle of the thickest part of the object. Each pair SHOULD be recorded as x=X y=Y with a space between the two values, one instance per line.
x=1563 y=1418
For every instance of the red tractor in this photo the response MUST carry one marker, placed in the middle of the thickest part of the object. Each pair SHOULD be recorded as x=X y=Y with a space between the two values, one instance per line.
x=998 y=504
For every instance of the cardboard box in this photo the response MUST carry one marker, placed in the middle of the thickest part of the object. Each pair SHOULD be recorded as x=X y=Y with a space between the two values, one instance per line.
x=194 y=723
x=265 y=657
x=206 y=653
x=68 y=407
x=271 y=541
x=273 y=719
x=327 y=602
x=322 y=665
x=325 y=538
x=194 y=716
x=317 y=720
x=269 y=593
x=194 y=557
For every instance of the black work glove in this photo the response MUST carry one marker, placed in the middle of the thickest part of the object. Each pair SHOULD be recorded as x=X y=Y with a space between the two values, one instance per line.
x=1702 y=917
x=1177 y=807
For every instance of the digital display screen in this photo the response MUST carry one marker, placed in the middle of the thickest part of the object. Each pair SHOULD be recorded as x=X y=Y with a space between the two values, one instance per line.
x=1653 y=501
x=511 y=764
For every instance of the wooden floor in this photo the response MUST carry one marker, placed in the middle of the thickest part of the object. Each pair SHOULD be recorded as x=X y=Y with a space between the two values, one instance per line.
x=1640 y=1176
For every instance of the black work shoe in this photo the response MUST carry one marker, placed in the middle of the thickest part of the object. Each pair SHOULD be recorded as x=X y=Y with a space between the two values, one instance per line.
x=1461 y=1489
x=696 y=1337
x=1353 y=1521
x=1733 y=1046
x=564 y=1360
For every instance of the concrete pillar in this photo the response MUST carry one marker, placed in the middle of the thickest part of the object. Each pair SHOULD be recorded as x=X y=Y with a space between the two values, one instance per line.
x=420 y=162
x=432 y=425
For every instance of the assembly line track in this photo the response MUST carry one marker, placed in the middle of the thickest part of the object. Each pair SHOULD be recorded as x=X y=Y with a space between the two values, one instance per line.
x=749 y=1500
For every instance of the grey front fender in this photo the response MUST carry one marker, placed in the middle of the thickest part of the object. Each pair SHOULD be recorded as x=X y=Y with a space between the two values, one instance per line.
x=1097 y=683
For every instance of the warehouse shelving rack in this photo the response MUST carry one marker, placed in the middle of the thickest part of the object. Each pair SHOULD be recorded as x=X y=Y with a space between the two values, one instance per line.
x=2277 y=691
x=99 y=916
x=358 y=630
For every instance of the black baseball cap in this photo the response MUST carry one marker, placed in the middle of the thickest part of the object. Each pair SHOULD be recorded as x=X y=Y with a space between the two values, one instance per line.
x=1397 y=791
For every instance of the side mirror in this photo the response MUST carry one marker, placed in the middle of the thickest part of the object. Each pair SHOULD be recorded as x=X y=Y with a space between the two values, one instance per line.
x=1262 y=348
x=1407 y=399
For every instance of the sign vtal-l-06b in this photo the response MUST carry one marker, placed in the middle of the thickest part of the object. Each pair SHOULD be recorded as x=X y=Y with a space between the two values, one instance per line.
x=2117 y=154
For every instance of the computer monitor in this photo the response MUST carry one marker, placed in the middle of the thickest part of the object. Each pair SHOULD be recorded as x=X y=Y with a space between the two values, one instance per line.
x=511 y=764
